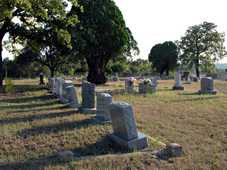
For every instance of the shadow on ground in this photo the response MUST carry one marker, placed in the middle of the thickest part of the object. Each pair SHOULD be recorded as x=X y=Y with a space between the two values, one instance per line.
x=58 y=127
x=35 y=117
x=28 y=99
x=102 y=147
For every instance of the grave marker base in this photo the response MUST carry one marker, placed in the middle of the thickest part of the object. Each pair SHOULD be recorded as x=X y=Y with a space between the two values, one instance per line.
x=87 y=110
x=138 y=143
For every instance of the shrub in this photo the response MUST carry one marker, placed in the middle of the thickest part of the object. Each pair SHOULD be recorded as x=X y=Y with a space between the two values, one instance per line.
x=9 y=86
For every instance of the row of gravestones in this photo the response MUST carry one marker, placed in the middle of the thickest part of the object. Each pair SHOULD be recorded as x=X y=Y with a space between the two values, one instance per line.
x=145 y=86
x=120 y=114
x=206 y=83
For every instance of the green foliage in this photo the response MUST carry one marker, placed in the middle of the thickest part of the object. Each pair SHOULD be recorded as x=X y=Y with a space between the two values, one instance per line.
x=9 y=86
x=201 y=44
x=101 y=35
x=36 y=21
x=164 y=57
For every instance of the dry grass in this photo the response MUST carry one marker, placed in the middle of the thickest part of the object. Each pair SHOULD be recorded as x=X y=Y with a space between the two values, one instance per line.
x=34 y=126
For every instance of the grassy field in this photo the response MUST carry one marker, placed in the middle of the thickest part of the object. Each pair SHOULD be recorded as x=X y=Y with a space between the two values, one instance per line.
x=34 y=127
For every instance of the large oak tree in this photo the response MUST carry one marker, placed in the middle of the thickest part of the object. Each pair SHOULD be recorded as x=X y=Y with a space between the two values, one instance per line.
x=201 y=44
x=164 y=57
x=101 y=35
x=26 y=19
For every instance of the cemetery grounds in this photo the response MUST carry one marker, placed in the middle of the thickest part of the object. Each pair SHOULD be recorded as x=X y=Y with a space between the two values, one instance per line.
x=34 y=126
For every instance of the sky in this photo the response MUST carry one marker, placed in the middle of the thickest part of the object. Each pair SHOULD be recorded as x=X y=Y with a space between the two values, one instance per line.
x=156 y=21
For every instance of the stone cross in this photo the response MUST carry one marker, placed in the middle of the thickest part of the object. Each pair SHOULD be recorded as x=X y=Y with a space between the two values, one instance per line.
x=207 y=86
x=88 y=97
x=178 y=84
x=103 y=102
x=125 y=131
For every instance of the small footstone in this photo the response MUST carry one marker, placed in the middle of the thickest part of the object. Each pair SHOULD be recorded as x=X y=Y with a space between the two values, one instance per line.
x=65 y=155
x=171 y=150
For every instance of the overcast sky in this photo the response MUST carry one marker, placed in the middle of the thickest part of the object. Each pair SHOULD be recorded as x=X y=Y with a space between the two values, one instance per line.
x=156 y=21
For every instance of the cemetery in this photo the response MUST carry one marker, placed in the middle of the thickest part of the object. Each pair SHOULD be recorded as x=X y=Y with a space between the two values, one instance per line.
x=39 y=130
x=80 y=89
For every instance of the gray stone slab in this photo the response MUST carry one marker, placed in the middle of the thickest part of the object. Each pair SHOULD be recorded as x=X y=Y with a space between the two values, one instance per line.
x=138 y=143
x=125 y=131
x=123 y=120
x=71 y=96
x=207 y=86
x=103 y=102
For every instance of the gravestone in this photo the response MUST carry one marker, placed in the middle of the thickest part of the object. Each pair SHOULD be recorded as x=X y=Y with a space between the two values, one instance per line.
x=103 y=102
x=54 y=88
x=61 y=90
x=66 y=83
x=207 y=86
x=178 y=84
x=51 y=84
x=88 y=98
x=58 y=82
x=115 y=77
x=129 y=85
x=125 y=131
x=71 y=96
x=146 y=86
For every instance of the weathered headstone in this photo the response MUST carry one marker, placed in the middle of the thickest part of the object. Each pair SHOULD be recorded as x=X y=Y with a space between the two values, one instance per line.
x=71 y=96
x=58 y=82
x=50 y=84
x=88 y=98
x=178 y=84
x=66 y=83
x=61 y=90
x=115 y=77
x=207 y=86
x=129 y=85
x=103 y=102
x=146 y=86
x=124 y=127
x=54 y=90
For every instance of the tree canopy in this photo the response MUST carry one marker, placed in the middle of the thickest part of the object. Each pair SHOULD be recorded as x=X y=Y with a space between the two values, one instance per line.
x=164 y=57
x=201 y=45
x=101 y=35
x=25 y=19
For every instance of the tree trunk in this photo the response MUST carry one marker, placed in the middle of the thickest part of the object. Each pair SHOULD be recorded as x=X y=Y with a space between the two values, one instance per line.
x=1 y=67
x=52 y=71
x=197 y=68
x=96 y=73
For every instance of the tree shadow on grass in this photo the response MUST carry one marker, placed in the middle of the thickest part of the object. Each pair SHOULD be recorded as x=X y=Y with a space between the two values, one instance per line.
x=189 y=93
x=195 y=99
x=58 y=127
x=27 y=88
x=28 y=99
x=30 y=105
x=102 y=147
x=39 y=109
x=35 y=117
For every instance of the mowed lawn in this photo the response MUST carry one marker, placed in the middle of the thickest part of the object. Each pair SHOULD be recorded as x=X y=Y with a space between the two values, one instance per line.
x=34 y=127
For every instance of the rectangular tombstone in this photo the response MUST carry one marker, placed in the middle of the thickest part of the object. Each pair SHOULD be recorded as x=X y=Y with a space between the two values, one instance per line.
x=61 y=82
x=66 y=83
x=71 y=96
x=124 y=127
x=207 y=86
x=88 y=97
x=103 y=102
